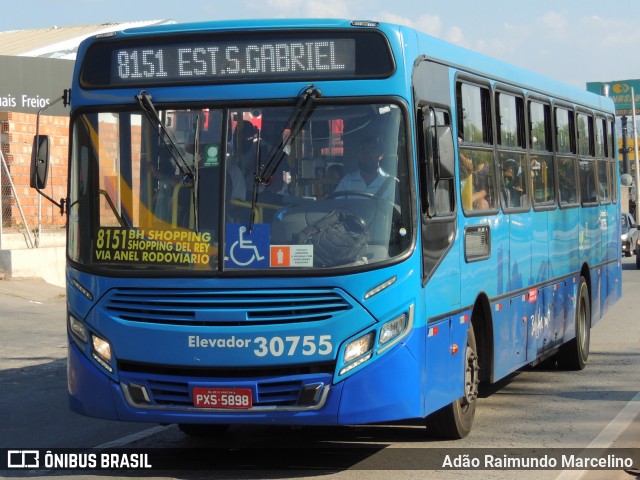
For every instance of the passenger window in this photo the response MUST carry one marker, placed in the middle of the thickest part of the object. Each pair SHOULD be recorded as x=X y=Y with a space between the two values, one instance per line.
x=611 y=144
x=614 y=183
x=475 y=152
x=539 y=127
x=565 y=131
x=567 y=181
x=511 y=152
x=588 y=185
x=541 y=160
x=603 y=181
x=474 y=114
x=585 y=135
x=542 y=183
x=510 y=120
x=601 y=138
x=513 y=181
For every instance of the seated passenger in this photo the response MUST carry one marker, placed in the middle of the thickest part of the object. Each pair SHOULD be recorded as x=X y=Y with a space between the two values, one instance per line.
x=511 y=189
x=481 y=204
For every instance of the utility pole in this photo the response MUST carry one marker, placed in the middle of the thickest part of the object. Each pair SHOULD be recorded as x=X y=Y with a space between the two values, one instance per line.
x=625 y=150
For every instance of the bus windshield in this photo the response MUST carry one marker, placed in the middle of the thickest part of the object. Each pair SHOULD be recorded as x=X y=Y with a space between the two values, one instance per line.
x=249 y=187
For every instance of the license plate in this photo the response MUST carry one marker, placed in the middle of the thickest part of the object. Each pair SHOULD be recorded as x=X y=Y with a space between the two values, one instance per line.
x=211 y=397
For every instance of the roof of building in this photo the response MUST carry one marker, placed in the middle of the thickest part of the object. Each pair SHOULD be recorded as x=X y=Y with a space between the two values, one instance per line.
x=59 y=42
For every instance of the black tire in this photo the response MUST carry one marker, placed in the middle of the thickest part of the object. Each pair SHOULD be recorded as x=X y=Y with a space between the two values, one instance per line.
x=575 y=354
x=199 y=430
x=638 y=260
x=456 y=419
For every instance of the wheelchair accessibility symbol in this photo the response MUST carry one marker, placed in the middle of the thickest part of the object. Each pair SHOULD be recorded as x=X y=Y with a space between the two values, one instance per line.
x=247 y=249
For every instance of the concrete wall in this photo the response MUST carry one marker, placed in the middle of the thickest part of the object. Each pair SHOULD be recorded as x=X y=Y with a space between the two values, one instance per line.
x=46 y=262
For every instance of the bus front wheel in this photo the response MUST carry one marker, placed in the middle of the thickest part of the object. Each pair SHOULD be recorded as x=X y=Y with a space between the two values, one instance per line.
x=455 y=420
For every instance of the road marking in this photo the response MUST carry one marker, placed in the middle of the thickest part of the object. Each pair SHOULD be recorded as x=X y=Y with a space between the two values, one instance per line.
x=608 y=435
x=121 y=442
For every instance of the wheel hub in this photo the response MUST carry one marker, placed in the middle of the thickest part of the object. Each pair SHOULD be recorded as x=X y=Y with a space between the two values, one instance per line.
x=471 y=380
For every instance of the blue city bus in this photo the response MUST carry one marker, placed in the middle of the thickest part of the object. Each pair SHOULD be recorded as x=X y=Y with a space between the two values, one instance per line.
x=326 y=222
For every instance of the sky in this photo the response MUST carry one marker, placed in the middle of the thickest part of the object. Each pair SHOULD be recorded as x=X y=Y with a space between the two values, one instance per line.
x=574 y=41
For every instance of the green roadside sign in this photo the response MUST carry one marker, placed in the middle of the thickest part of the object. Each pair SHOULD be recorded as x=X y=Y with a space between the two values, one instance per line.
x=620 y=93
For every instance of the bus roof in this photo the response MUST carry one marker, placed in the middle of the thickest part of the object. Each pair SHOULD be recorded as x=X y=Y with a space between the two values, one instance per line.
x=435 y=49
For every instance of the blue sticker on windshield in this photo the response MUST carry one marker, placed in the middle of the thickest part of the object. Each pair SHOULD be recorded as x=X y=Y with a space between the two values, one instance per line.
x=247 y=249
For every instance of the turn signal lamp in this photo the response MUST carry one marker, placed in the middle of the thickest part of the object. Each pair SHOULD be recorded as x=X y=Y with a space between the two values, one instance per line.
x=78 y=329
x=392 y=329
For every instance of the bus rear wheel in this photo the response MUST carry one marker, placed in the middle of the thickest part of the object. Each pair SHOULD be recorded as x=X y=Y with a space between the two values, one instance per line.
x=574 y=355
x=456 y=419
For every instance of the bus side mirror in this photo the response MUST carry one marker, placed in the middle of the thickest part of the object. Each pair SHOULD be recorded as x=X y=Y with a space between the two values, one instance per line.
x=39 y=162
x=445 y=148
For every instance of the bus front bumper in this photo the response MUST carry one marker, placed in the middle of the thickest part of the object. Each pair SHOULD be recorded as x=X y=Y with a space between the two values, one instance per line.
x=386 y=390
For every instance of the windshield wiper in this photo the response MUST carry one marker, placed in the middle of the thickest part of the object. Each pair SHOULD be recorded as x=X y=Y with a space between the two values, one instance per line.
x=144 y=101
x=297 y=120
x=196 y=170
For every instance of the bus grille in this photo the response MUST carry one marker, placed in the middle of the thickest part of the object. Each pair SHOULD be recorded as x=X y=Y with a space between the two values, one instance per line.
x=205 y=307
x=175 y=392
x=268 y=393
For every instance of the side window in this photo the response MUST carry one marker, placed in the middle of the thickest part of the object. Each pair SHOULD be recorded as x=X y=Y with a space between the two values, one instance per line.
x=540 y=127
x=601 y=138
x=541 y=157
x=565 y=138
x=509 y=110
x=474 y=114
x=602 y=165
x=604 y=194
x=611 y=141
x=588 y=185
x=585 y=135
x=612 y=157
x=614 y=183
x=514 y=191
x=475 y=149
x=567 y=181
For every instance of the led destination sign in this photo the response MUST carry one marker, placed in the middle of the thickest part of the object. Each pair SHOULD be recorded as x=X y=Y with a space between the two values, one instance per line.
x=233 y=58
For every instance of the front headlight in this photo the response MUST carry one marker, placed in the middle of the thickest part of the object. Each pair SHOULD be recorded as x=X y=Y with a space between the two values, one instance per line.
x=357 y=352
x=102 y=352
x=358 y=347
x=624 y=237
x=363 y=348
